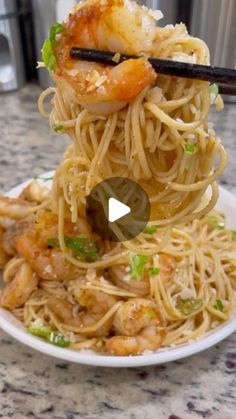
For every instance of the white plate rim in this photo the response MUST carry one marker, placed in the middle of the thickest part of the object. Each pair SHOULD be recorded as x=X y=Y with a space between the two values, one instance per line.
x=13 y=328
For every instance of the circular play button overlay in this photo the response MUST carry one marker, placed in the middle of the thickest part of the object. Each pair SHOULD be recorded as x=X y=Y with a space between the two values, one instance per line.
x=117 y=209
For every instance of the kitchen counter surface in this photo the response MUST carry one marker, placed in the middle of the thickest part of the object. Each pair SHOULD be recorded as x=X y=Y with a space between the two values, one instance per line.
x=33 y=385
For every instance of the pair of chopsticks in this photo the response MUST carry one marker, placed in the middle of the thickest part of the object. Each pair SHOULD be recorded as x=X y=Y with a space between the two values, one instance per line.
x=224 y=77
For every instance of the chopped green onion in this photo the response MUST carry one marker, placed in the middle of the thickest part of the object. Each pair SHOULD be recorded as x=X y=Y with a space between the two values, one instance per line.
x=48 y=56
x=219 y=305
x=153 y=271
x=45 y=332
x=55 y=29
x=58 y=339
x=190 y=148
x=80 y=245
x=188 y=305
x=40 y=331
x=214 y=91
x=216 y=223
x=150 y=229
x=136 y=264
x=57 y=127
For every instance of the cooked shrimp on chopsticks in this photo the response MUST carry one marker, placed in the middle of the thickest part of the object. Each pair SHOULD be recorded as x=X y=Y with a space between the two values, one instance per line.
x=103 y=25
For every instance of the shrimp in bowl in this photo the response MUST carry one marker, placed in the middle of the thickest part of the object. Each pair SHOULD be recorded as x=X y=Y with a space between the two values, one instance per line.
x=138 y=326
x=100 y=24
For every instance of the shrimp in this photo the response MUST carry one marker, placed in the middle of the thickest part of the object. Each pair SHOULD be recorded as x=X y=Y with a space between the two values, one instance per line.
x=97 y=302
x=14 y=208
x=141 y=286
x=138 y=327
x=14 y=219
x=18 y=290
x=149 y=339
x=48 y=263
x=46 y=225
x=34 y=192
x=63 y=310
x=103 y=25
x=14 y=230
x=16 y=216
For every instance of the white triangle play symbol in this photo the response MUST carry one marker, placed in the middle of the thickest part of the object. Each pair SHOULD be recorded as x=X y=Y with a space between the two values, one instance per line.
x=116 y=210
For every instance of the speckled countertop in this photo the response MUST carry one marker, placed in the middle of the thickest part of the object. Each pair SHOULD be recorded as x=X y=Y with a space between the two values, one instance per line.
x=33 y=385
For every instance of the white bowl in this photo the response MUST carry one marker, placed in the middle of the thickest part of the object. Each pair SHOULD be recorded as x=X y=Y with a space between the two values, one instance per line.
x=226 y=204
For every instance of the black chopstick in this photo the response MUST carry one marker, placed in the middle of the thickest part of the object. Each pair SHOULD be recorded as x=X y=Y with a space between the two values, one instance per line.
x=224 y=77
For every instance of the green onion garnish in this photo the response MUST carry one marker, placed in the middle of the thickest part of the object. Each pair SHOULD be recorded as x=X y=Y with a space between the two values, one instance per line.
x=215 y=222
x=150 y=229
x=55 y=29
x=136 y=264
x=190 y=148
x=188 y=305
x=153 y=271
x=214 y=91
x=45 y=332
x=58 y=339
x=39 y=330
x=57 y=127
x=219 y=305
x=49 y=58
x=80 y=245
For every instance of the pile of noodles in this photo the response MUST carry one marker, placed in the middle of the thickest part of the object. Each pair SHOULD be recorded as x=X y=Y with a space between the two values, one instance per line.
x=200 y=297
x=148 y=141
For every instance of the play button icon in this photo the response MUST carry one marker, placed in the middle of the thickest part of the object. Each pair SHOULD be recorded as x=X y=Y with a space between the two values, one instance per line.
x=117 y=209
